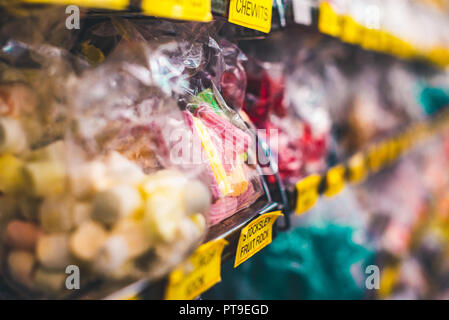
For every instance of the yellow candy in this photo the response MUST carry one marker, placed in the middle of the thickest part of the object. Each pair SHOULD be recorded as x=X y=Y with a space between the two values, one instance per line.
x=199 y=221
x=164 y=180
x=238 y=181
x=11 y=178
x=45 y=178
x=163 y=212
x=213 y=157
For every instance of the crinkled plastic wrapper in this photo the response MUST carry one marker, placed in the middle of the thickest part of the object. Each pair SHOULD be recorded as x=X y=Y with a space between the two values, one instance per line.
x=293 y=107
x=207 y=78
x=228 y=153
x=93 y=165
x=86 y=175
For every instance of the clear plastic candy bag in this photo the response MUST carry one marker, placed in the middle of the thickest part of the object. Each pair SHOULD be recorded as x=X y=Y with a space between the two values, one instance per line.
x=278 y=102
x=100 y=193
x=205 y=74
x=228 y=153
x=106 y=186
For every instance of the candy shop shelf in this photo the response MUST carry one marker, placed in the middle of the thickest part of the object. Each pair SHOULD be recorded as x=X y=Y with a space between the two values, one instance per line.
x=365 y=163
x=314 y=16
x=320 y=17
x=310 y=15
x=299 y=198
x=230 y=228
x=274 y=198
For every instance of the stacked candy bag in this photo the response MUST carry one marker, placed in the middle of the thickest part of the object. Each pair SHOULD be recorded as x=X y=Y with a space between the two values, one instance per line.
x=221 y=86
x=111 y=190
x=196 y=68
x=99 y=191
x=272 y=104
x=229 y=153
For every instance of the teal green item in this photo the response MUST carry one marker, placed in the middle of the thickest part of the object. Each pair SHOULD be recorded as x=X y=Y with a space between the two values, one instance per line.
x=433 y=99
x=305 y=263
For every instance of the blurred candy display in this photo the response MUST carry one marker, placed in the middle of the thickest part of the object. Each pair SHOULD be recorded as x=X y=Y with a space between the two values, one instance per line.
x=382 y=26
x=130 y=142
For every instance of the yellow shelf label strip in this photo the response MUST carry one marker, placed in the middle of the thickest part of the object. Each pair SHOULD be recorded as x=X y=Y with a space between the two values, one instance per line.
x=193 y=10
x=101 y=4
x=255 y=236
x=198 y=274
x=363 y=164
x=253 y=14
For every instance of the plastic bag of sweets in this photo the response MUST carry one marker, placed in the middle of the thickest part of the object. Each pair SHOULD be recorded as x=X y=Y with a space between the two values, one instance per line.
x=105 y=196
x=31 y=116
x=215 y=77
x=35 y=66
x=271 y=105
x=183 y=41
x=220 y=139
x=228 y=153
x=193 y=67
x=230 y=135
x=33 y=110
x=233 y=79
